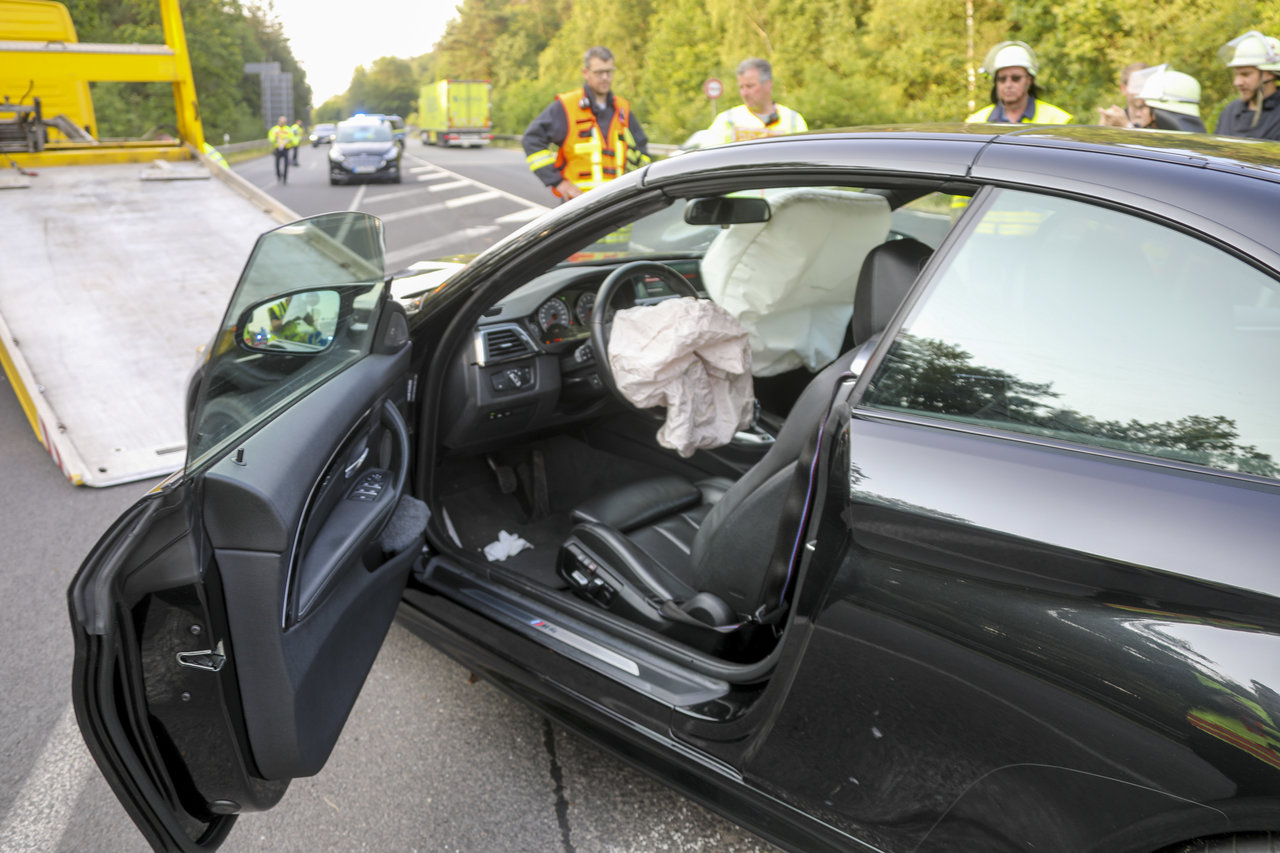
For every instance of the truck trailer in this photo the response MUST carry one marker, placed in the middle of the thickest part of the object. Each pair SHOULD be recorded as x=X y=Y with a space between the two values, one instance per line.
x=119 y=255
x=455 y=112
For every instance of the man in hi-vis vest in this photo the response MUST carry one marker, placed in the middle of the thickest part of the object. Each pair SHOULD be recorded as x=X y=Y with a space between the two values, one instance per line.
x=758 y=114
x=586 y=136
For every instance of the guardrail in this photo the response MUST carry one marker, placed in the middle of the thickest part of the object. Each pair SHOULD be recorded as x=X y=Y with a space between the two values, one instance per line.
x=241 y=147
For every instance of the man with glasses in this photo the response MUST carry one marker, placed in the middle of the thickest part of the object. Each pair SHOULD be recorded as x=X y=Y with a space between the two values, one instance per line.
x=586 y=136
x=1014 y=96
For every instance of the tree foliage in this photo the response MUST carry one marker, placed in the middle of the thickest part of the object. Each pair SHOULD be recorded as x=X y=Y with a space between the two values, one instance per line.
x=840 y=62
x=222 y=35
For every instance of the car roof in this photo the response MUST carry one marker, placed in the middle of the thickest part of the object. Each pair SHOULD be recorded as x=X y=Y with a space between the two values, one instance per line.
x=1225 y=187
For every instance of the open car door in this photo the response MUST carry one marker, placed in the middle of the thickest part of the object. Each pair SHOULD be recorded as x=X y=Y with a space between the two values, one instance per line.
x=226 y=623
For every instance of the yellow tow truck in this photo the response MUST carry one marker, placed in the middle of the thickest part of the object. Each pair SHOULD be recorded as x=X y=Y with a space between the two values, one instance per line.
x=116 y=256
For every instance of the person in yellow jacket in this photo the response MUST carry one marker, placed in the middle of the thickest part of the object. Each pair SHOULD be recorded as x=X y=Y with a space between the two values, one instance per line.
x=586 y=137
x=1013 y=68
x=758 y=115
x=295 y=131
x=280 y=137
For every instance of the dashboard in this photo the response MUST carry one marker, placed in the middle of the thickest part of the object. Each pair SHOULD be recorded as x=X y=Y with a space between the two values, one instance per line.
x=531 y=365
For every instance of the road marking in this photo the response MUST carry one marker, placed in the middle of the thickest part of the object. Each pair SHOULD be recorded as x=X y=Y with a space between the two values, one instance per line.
x=523 y=202
x=447 y=204
x=42 y=809
x=355 y=202
x=416 y=192
x=529 y=213
x=429 y=248
x=452 y=185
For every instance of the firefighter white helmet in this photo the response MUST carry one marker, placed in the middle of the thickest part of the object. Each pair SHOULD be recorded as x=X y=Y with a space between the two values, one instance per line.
x=1010 y=54
x=1251 y=50
x=1173 y=91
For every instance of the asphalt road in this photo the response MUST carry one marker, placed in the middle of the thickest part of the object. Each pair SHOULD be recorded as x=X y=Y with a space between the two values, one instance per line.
x=450 y=200
x=429 y=760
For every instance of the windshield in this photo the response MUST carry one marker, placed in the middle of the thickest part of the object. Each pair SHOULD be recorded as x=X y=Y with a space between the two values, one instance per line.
x=364 y=133
x=663 y=234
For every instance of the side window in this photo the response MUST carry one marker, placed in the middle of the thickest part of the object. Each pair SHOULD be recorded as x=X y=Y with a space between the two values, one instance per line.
x=927 y=219
x=305 y=308
x=1074 y=322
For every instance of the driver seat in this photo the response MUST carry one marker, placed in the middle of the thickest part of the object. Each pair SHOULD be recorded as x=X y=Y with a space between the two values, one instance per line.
x=681 y=557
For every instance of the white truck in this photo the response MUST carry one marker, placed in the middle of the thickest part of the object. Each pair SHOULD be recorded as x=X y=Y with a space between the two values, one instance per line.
x=118 y=257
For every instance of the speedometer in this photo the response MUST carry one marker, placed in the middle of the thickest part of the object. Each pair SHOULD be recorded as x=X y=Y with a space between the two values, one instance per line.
x=553 y=317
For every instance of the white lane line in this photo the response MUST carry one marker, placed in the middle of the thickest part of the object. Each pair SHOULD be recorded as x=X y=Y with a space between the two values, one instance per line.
x=529 y=213
x=431 y=248
x=42 y=808
x=447 y=204
x=452 y=185
x=523 y=202
x=393 y=195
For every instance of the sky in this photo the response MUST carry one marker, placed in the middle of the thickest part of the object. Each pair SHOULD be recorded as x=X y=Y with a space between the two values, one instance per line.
x=330 y=46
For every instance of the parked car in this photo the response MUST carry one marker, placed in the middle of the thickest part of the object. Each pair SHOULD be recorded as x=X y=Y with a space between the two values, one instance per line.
x=322 y=134
x=364 y=149
x=994 y=567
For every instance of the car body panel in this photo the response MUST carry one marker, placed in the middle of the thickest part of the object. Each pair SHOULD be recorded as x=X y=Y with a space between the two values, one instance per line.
x=993 y=639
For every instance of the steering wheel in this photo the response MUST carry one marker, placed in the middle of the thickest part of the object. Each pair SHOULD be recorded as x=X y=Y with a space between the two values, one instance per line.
x=602 y=315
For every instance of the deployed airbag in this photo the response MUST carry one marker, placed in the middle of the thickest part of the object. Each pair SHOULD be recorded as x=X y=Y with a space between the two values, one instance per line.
x=691 y=356
x=791 y=280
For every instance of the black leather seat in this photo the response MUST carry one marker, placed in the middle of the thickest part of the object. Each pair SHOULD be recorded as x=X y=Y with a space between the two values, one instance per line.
x=668 y=552
x=885 y=279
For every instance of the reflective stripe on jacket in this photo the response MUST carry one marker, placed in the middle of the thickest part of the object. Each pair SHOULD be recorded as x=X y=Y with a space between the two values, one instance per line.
x=1042 y=112
x=740 y=123
x=588 y=156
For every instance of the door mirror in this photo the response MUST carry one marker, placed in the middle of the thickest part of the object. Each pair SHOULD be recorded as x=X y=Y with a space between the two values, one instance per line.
x=301 y=323
x=726 y=210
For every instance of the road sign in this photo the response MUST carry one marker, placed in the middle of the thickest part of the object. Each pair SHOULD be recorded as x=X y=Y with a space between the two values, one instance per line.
x=713 y=87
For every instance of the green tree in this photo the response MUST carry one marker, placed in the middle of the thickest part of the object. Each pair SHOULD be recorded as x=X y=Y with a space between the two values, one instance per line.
x=678 y=64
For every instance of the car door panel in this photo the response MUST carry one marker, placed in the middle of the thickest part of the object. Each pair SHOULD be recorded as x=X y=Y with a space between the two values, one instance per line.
x=309 y=660
x=967 y=663
x=139 y=603
x=225 y=624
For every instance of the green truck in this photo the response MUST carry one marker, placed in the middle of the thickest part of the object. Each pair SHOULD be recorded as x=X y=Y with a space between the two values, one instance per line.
x=455 y=112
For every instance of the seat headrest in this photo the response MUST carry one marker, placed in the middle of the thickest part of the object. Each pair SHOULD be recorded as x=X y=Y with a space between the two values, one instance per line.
x=887 y=275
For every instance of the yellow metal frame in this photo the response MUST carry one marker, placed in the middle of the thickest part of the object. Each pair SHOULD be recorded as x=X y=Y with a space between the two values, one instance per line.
x=167 y=63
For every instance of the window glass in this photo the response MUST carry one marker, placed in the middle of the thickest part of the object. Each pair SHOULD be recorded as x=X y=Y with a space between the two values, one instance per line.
x=1061 y=319
x=305 y=308
x=927 y=219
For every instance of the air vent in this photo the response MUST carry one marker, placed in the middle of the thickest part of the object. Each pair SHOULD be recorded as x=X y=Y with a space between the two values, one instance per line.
x=503 y=343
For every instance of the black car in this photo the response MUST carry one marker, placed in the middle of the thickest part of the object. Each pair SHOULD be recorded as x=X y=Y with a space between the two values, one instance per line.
x=364 y=149
x=994 y=567
x=323 y=134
